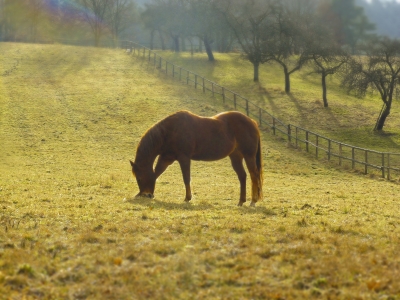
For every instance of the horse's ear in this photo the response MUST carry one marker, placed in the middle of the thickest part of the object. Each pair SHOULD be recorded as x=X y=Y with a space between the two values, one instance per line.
x=133 y=167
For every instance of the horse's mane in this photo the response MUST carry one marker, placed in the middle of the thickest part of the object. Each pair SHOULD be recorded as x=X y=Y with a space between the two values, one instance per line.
x=150 y=141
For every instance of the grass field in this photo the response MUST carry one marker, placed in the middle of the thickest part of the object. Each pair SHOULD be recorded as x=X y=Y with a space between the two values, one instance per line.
x=70 y=120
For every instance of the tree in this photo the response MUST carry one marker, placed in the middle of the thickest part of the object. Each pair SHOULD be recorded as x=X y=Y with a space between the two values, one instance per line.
x=326 y=56
x=204 y=22
x=327 y=61
x=121 y=15
x=291 y=38
x=155 y=20
x=169 y=17
x=95 y=14
x=378 y=70
x=34 y=15
x=348 y=20
x=250 y=21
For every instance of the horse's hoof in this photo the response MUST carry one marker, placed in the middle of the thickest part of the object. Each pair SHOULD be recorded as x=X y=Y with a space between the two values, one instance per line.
x=240 y=204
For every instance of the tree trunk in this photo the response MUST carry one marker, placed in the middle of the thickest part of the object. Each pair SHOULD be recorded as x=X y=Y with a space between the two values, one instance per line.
x=183 y=44
x=152 y=39
x=207 y=45
x=200 y=46
x=96 y=39
x=162 y=40
x=287 y=79
x=175 y=41
x=324 y=90
x=382 y=118
x=256 y=67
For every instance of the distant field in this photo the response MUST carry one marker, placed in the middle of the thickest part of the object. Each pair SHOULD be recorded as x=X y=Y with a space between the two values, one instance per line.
x=70 y=120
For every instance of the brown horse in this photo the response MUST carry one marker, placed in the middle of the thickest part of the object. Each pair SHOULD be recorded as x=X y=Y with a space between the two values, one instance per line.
x=184 y=136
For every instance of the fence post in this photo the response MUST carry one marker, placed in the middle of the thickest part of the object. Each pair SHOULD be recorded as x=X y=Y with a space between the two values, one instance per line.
x=234 y=100
x=388 y=166
x=260 y=116
x=155 y=59
x=212 y=88
x=160 y=63
x=340 y=154
x=149 y=55
x=187 y=78
x=329 y=150
x=353 y=156
x=204 y=86
x=223 y=94
x=273 y=125
x=307 y=147
x=180 y=74
x=166 y=68
x=247 y=107
x=366 y=162
x=297 y=137
x=383 y=165
x=195 y=81
x=289 y=133
x=316 y=146
x=173 y=71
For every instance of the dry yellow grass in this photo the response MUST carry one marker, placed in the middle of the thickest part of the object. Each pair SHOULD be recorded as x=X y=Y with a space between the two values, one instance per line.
x=70 y=120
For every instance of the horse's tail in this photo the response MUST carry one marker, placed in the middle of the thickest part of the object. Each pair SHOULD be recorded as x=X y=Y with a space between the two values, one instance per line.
x=259 y=165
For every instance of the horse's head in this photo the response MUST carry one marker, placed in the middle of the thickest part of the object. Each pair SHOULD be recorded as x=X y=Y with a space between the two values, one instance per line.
x=146 y=180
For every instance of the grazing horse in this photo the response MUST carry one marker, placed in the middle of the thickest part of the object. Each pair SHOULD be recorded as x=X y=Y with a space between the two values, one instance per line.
x=184 y=136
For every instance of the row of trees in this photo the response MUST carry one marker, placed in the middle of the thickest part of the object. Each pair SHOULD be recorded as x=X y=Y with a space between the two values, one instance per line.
x=322 y=34
x=48 y=20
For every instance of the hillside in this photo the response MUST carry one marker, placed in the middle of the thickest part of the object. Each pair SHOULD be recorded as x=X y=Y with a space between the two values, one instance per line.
x=70 y=120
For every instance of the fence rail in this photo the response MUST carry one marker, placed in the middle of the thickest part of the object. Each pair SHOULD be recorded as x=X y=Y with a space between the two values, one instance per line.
x=385 y=163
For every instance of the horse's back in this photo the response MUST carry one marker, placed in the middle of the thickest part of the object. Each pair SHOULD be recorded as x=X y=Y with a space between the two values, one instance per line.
x=209 y=138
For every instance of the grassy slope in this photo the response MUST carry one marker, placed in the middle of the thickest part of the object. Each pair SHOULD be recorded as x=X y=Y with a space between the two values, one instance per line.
x=71 y=118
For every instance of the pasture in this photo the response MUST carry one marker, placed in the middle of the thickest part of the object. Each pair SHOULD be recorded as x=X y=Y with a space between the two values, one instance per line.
x=70 y=120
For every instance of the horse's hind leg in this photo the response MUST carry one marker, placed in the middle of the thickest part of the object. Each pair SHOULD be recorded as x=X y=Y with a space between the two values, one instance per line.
x=237 y=164
x=255 y=180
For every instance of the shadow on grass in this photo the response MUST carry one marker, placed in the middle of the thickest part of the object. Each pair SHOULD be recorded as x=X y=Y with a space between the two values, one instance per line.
x=201 y=206
x=259 y=210
x=322 y=113
x=170 y=206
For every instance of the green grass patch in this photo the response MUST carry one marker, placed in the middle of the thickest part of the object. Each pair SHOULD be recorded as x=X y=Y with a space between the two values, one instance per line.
x=71 y=119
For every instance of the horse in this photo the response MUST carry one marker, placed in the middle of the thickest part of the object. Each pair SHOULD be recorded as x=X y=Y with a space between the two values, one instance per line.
x=184 y=136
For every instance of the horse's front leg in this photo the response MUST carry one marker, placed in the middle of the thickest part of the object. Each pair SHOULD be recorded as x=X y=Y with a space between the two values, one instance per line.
x=185 y=167
x=162 y=164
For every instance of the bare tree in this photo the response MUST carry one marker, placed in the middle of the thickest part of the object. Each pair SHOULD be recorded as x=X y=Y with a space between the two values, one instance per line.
x=250 y=21
x=290 y=42
x=327 y=61
x=96 y=14
x=34 y=14
x=155 y=20
x=379 y=70
x=121 y=15
x=326 y=55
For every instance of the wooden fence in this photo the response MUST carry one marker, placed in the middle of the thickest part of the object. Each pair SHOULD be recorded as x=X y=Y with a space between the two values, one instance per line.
x=385 y=164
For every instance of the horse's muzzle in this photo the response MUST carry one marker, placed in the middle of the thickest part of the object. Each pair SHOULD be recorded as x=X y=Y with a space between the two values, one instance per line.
x=145 y=195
